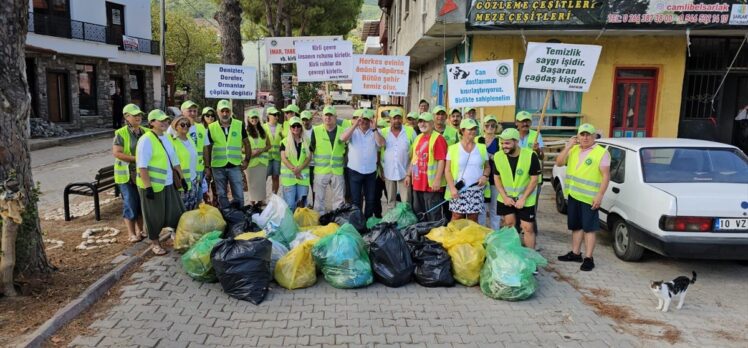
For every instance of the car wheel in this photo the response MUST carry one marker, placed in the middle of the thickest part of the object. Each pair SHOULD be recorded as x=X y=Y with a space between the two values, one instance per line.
x=560 y=201
x=624 y=244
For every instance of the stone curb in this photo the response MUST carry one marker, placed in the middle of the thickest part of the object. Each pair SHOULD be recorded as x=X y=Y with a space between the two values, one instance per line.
x=87 y=298
x=44 y=144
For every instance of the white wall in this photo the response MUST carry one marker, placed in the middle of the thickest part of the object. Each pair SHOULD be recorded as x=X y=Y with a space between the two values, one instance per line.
x=137 y=14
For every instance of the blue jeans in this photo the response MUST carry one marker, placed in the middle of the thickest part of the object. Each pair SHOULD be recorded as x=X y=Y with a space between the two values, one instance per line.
x=293 y=194
x=223 y=177
x=365 y=184
x=130 y=201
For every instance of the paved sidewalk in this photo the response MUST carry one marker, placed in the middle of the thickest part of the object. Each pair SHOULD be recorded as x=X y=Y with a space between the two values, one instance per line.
x=163 y=307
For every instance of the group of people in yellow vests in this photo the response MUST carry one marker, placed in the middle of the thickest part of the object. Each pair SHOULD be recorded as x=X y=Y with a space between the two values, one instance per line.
x=444 y=162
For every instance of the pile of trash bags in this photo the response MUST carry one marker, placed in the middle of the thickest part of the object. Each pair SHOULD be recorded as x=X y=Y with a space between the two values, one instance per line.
x=343 y=259
x=463 y=240
x=402 y=214
x=389 y=255
x=196 y=261
x=345 y=214
x=277 y=221
x=508 y=272
x=305 y=217
x=243 y=267
x=195 y=223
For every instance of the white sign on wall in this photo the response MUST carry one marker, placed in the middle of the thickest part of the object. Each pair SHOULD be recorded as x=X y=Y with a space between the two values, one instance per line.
x=489 y=83
x=380 y=75
x=280 y=50
x=559 y=67
x=324 y=60
x=230 y=81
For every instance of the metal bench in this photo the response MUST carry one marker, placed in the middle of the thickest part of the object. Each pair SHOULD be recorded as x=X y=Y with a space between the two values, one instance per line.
x=103 y=181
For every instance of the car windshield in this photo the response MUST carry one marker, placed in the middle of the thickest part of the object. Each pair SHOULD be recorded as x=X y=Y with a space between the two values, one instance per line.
x=689 y=165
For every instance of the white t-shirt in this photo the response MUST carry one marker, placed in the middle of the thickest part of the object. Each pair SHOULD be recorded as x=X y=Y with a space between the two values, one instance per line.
x=362 y=152
x=144 y=153
x=396 y=155
x=469 y=169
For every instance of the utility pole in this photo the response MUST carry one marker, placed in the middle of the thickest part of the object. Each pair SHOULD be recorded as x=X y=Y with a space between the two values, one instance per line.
x=163 y=55
x=259 y=72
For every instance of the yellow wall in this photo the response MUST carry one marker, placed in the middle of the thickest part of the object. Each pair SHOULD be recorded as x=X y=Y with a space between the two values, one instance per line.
x=666 y=53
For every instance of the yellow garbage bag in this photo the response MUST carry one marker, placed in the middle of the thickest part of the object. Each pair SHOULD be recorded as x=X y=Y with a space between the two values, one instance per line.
x=305 y=217
x=467 y=260
x=250 y=235
x=296 y=269
x=321 y=231
x=443 y=235
x=195 y=223
x=460 y=224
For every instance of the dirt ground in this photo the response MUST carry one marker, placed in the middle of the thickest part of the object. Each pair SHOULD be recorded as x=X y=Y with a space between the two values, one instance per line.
x=43 y=295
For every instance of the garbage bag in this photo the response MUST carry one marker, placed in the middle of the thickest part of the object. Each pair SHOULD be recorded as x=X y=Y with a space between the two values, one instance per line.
x=389 y=255
x=243 y=267
x=507 y=273
x=196 y=261
x=326 y=230
x=416 y=232
x=467 y=260
x=296 y=269
x=433 y=266
x=306 y=217
x=402 y=213
x=277 y=221
x=372 y=221
x=346 y=213
x=238 y=221
x=278 y=249
x=302 y=237
x=195 y=223
x=343 y=259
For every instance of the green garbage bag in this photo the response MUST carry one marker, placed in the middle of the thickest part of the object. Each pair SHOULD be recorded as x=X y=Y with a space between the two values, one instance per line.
x=372 y=221
x=507 y=272
x=196 y=261
x=402 y=213
x=343 y=258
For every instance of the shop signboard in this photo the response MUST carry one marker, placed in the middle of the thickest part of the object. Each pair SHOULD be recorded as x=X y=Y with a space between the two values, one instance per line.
x=488 y=83
x=559 y=67
x=380 y=75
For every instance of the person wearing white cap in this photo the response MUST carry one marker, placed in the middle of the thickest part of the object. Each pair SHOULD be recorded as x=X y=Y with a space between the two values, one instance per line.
x=364 y=142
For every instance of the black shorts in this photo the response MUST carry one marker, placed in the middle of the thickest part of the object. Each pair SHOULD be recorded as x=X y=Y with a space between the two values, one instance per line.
x=581 y=216
x=524 y=214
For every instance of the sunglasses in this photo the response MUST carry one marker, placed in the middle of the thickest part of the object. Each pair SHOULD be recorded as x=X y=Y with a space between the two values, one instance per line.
x=488 y=125
x=209 y=115
x=296 y=126
x=184 y=124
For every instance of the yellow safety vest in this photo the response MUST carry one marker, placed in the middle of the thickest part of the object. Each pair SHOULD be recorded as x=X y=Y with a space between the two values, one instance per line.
x=432 y=163
x=584 y=182
x=122 y=168
x=453 y=153
x=226 y=150
x=158 y=166
x=202 y=133
x=264 y=158
x=451 y=135
x=184 y=159
x=328 y=159
x=515 y=183
x=287 y=177
x=275 y=140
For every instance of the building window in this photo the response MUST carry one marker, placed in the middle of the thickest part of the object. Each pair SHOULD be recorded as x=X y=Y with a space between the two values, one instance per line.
x=86 y=89
x=561 y=102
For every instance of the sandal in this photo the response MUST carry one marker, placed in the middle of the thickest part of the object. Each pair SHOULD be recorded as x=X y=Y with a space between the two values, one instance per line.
x=158 y=250
x=143 y=235
x=135 y=239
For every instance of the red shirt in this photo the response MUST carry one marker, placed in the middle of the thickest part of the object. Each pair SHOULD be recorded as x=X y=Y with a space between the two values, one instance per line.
x=420 y=177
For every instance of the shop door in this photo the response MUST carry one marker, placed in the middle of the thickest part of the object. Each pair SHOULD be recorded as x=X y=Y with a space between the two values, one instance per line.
x=115 y=20
x=634 y=92
x=57 y=96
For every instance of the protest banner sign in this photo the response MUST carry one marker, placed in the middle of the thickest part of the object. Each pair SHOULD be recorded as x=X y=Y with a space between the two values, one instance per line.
x=380 y=75
x=324 y=60
x=280 y=50
x=230 y=81
x=489 y=83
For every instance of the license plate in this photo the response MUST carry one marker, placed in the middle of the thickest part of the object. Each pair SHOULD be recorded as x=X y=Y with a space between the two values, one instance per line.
x=730 y=224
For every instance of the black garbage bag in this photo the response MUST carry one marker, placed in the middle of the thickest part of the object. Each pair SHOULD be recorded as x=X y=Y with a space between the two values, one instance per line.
x=243 y=267
x=238 y=221
x=346 y=213
x=416 y=232
x=433 y=264
x=389 y=255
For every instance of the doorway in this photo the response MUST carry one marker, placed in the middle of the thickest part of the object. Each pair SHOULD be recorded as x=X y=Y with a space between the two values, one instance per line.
x=58 y=96
x=115 y=20
x=634 y=92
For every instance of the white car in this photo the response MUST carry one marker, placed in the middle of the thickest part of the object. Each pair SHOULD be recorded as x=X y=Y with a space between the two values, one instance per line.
x=677 y=197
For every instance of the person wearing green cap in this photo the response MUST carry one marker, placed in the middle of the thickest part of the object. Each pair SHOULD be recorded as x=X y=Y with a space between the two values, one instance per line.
x=395 y=156
x=423 y=106
x=440 y=125
x=257 y=169
x=292 y=110
x=426 y=172
x=199 y=135
x=469 y=112
x=275 y=132
x=159 y=174
x=207 y=116
x=533 y=140
x=455 y=117
x=587 y=178
x=306 y=121
x=123 y=150
x=467 y=173
x=228 y=155
x=328 y=151
x=363 y=142
x=295 y=158
x=516 y=173
x=186 y=151
x=411 y=120
x=490 y=139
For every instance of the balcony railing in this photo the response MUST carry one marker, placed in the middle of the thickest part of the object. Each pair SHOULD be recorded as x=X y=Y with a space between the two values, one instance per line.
x=71 y=29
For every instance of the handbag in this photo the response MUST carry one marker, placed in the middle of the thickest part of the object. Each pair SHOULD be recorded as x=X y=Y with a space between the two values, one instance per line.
x=177 y=178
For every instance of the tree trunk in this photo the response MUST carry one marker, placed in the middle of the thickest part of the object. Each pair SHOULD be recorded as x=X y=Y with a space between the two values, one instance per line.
x=273 y=25
x=8 y=261
x=230 y=21
x=15 y=103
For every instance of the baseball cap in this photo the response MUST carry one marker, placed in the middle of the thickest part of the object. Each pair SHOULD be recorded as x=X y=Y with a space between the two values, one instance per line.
x=207 y=109
x=510 y=133
x=252 y=113
x=438 y=109
x=523 y=115
x=468 y=124
x=455 y=110
x=412 y=114
x=358 y=112
x=382 y=123
x=426 y=116
x=223 y=104
x=329 y=110
x=489 y=118
x=292 y=108
x=368 y=114
x=157 y=115
x=132 y=109
x=423 y=101
x=306 y=115
x=588 y=128
x=187 y=104
x=396 y=112
x=294 y=120
x=272 y=110
x=467 y=109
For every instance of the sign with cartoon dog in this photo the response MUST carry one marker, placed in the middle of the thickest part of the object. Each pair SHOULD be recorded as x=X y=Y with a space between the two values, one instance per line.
x=489 y=83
